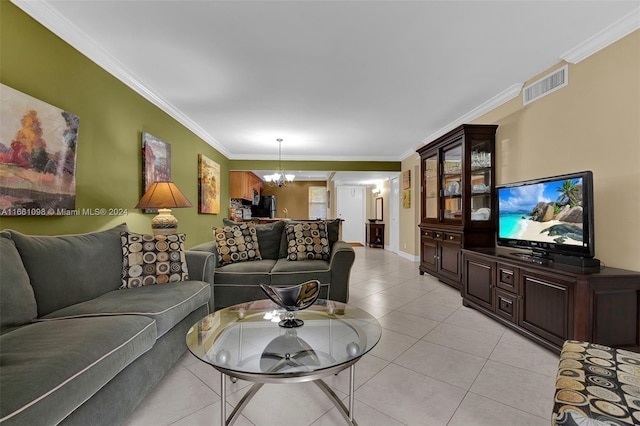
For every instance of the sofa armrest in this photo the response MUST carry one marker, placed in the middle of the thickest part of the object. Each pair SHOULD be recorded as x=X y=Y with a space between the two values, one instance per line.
x=209 y=247
x=341 y=261
x=202 y=267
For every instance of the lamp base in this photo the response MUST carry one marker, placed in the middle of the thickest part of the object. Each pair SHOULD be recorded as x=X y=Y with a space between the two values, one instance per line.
x=164 y=223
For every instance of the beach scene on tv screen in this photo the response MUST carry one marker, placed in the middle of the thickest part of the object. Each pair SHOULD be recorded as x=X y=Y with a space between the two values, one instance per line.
x=546 y=212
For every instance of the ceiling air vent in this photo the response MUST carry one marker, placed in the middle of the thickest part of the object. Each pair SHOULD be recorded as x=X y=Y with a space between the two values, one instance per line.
x=546 y=85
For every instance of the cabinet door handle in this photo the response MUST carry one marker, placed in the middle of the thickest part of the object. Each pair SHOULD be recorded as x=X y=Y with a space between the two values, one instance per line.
x=451 y=237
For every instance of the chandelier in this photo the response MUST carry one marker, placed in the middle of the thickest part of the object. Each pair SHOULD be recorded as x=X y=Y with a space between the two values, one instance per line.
x=279 y=178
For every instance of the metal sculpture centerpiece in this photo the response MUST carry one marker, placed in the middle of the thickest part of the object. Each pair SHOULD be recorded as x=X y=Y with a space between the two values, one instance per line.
x=292 y=299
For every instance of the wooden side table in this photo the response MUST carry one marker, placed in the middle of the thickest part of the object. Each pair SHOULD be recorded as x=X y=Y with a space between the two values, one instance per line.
x=375 y=235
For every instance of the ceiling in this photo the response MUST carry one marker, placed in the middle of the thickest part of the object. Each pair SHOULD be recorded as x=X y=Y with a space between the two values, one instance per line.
x=336 y=80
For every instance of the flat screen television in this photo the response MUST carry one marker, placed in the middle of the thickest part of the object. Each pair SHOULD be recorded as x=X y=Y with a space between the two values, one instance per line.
x=552 y=216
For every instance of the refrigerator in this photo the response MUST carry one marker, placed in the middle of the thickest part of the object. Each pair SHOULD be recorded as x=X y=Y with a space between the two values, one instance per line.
x=266 y=208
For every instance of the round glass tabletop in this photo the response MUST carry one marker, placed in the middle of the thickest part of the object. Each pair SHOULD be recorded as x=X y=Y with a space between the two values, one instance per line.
x=245 y=340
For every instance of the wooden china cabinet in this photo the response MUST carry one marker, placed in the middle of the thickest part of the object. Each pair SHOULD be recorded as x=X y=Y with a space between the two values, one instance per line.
x=457 y=199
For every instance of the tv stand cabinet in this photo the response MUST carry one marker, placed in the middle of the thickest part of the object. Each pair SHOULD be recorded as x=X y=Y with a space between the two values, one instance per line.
x=551 y=303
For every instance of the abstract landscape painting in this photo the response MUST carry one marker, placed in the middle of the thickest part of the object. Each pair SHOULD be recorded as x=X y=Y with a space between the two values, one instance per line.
x=209 y=185
x=156 y=163
x=38 y=144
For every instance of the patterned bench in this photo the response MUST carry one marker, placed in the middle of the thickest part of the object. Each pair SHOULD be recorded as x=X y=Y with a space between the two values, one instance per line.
x=597 y=385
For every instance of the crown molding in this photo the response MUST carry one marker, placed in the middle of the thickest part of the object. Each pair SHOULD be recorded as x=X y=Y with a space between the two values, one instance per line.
x=408 y=153
x=49 y=17
x=614 y=32
x=359 y=158
x=502 y=97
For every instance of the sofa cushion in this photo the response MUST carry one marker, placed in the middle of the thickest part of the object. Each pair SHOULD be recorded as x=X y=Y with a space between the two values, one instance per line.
x=285 y=272
x=251 y=273
x=50 y=368
x=307 y=241
x=236 y=243
x=167 y=304
x=152 y=259
x=269 y=236
x=68 y=269
x=596 y=385
x=17 y=304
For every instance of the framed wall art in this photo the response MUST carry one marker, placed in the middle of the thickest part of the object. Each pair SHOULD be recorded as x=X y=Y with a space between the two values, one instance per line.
x=406 y=199
x=379 y=215
x=208 y=185
x=38 y=144
x=406 y=179
x=156 y=163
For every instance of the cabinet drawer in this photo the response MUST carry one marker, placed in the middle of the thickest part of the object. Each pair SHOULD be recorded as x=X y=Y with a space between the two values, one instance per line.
x=506 y=305
x=452 y=238
x=507 y=278
x=432 y=235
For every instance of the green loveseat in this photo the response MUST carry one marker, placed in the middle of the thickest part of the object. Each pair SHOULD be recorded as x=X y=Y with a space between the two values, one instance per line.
x=76 y=349
x=240 y=282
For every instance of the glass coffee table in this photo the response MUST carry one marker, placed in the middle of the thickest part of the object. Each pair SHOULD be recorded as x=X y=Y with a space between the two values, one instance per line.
x=245 y=342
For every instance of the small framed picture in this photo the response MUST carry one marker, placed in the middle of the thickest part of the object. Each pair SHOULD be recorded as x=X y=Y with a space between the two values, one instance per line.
x=208 y=185
x=406 y=179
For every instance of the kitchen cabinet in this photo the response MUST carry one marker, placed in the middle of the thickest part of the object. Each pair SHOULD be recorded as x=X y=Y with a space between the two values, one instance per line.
x=245 y=186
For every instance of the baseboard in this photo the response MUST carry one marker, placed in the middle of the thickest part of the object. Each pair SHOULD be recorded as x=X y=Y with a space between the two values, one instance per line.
x=414 y=259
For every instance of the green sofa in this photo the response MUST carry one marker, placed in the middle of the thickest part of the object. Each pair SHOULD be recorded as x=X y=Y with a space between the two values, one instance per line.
x=240 y=282
x=74 y=347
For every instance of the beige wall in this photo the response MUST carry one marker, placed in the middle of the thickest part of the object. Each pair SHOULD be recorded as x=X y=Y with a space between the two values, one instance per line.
x=591 y=124
x=385 y=192
x=409 y=239
x=294 y=197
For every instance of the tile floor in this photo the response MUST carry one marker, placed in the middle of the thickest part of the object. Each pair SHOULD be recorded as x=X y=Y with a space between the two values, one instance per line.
x=438 y=363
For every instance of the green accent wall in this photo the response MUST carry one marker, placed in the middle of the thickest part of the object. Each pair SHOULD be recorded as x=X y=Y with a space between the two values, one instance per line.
x=113 y=117
x=333 y=166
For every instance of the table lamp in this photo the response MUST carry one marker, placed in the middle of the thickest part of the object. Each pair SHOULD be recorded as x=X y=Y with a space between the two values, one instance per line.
x=163 y=196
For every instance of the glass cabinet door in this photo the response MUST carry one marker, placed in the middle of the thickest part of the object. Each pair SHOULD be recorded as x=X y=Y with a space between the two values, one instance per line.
x=481 y=180
x=430 y=168
x=452 y=183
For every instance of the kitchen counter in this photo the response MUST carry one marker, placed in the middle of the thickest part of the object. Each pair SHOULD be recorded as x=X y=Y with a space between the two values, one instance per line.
x=269 y=219
x=261 y=219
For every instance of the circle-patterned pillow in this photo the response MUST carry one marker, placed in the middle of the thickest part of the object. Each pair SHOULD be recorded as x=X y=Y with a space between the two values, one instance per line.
x=308 y=240
x=237 y=243
x=152 y=259
x=597 y=382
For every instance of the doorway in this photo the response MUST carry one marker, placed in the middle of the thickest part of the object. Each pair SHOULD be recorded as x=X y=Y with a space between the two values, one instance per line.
x=350 y=207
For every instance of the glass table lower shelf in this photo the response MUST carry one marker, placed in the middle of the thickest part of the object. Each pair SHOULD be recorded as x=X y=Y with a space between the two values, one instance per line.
x=245 y=342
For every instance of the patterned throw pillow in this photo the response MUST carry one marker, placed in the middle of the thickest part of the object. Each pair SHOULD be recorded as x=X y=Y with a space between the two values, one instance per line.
x=308 y=240
x=237 y=243
x=152 y=259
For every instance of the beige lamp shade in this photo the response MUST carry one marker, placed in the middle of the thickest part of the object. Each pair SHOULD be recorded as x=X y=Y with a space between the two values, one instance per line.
x=163 y=196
